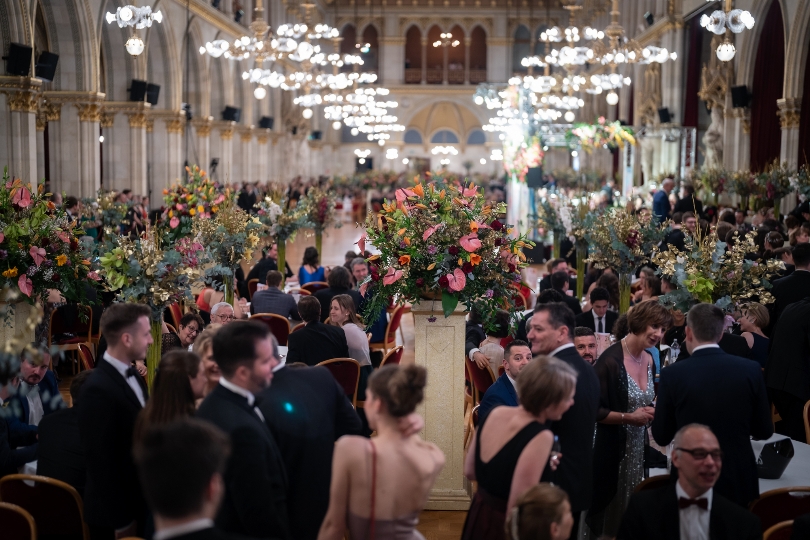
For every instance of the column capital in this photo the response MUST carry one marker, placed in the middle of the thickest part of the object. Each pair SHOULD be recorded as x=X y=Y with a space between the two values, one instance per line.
x=137 y=120
x=89 y=112
x=246 y=135
x=202 y=126
x=175 y=125
x=226 y=129
x=107 y=119
x=23 y=93
x=790 y=110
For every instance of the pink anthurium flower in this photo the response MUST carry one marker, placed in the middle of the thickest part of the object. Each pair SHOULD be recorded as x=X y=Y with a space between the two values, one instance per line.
x=364 y=288
x=174 y=222
x=470 y=242
x=403 y=193
x=361 y=244
x=22 y=198
x=25 y=285
x=457 y=280
x=430 y=230
x=63 y=236
x=38 y=254
x=94 y=275
x=469 y=192
x=392 y=276
x=2 y=237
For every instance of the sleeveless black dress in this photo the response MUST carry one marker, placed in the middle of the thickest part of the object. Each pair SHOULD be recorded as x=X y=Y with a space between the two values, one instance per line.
x=487 y=514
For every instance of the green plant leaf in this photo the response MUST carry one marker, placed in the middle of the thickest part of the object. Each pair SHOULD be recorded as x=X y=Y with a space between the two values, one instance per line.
x=449 y=303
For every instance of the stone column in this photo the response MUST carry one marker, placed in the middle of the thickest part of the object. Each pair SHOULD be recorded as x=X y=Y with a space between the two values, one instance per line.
x=467 y=41
x=737 y=155
x=202 y=132
x=137 y=153
x=175 y=128
x=789 y=119
x=424 y=60
x=18 y=116
x=440 y=349
x=42 y=122
x=262 y=156
x=225 y=149
x=89 y=180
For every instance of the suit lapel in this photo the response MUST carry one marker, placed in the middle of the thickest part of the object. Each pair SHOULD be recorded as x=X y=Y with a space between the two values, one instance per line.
x=119 y=379
x=670 y=514
x=510 y=387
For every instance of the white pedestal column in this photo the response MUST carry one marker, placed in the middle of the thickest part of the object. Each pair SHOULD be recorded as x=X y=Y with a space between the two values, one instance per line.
x=137 y=153
x=440 y=349
x=260 y=164
x=19 y=128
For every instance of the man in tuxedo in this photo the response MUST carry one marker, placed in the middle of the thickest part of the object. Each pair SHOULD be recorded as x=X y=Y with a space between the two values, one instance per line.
x=730 y=344
x=274 y=300
x=38 y=394
x=516 y=356
x=307 y=411
x=792 y=288
x=787 y=374
x=316 y=342
x=724 y=392
x=265 y=264
x=675 y=236
x=557 y=265
x=111 y=399
x=340 y=282
x=661 y=207
x=690 y=507
x=17 y=447
x=598 y=318
x=688 y=201
x=181 y=467
x=585 y=344
x=551 y=332
x=559 y=282
x=60 y=447
x=255 y=501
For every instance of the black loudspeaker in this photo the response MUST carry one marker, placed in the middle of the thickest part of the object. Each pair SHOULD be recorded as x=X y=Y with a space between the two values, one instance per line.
x=649 y=18
x=294 y=130
x=46 y=66
x=315 y=136
x=18 y=61
x=740 y=97
x=664 y=116
x=231 y=113
x=152 y=93
x=137 y=91
x=266 y=122
x=534 y=177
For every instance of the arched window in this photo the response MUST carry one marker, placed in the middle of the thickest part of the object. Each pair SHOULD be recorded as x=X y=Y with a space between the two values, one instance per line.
x=370 y=49
x=435 y=56
x=413 y=55
x=521 y=48
x=540 y=47
x=412 y=136
x=478 y=56
x=444 y=136
x=455 y=57
x=347 y=45
x=476 y=137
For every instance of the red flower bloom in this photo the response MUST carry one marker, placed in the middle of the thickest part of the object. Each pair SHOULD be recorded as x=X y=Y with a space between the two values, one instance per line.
x=420 y=282
x=467 y=268
x=443 y=282
x=452 y=250
x=496 y=225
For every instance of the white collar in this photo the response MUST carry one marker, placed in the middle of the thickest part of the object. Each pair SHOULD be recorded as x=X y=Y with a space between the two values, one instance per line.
x=119 y=366
x=511 y=380
x=238 y=390
x=185 y=528
x=679 y=492
x=707 y=346
x=560 y=348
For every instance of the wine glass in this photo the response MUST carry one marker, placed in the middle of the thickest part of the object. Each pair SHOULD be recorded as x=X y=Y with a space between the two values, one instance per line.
x=555 y=455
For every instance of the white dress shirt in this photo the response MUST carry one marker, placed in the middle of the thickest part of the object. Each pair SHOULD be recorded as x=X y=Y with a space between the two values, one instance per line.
x=186 y=528
x=560 y=348
x=35 y=408
x=596 y=320
x=707 y=346
x=247 y=394
x=693 y=519
x=122 y=368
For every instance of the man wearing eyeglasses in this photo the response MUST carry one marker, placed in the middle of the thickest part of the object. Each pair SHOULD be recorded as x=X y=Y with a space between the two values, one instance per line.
x=689 y=509
x=222 y=313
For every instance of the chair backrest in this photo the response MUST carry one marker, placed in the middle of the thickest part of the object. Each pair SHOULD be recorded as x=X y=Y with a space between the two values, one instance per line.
x=277 y=324
x=87 y=357
x=315 y=286
x=474 y=415
x=506 y=341
x=299 y=326
x=520 y=301
x=393 y=325
x=780 y=531
x=653 y=482
x=17 y=523
x=394 y=356
x=176 y=313
x=171 y=328
x=807 y=422
x=778 y=505
x=55 y=506
x=302 y=292
x=66 y=320
x=346 y=372
x=482 y=378
x=253 y=285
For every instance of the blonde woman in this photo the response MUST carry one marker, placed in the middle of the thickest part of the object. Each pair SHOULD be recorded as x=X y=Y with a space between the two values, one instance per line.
x=753 y=320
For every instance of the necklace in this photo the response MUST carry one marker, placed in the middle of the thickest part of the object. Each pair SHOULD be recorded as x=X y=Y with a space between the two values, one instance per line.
x=636 y=360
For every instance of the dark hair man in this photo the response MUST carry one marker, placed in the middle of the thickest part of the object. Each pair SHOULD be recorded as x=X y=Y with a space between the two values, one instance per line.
x=559 y=283
x=273 y=299
x=585 y=343
x=315 y=342
x=557 y=265
x=598 y=318
x=791 y=288
x=516 y=355
x=265 y=264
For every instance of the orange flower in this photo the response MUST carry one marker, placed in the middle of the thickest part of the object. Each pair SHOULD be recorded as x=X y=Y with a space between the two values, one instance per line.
x=419 y=190
x=10 y=273
x=405 y=260
x=401 y=232
x=51 y=206
x=407 y=241
x=474 y=226
x=61 y=260
x=475 y=259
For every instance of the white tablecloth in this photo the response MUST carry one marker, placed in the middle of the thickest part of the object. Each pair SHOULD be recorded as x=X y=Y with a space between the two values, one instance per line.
x=796 y=474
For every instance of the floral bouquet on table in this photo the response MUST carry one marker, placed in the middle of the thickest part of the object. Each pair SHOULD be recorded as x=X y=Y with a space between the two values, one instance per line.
x=713 y=181
x=602 y=134
x=705 y=272
x=522 y=154
x=148 y=271
x=109 y=211
x=623 y=242
x=39 y=248
x=281 y=222
x=800 y=181
x=229 y=238
x=199 y=196
x=442 y=244
x=775 y=182
x=319 y=206
x=550 y=221
x=579 y=220
x=745 y=185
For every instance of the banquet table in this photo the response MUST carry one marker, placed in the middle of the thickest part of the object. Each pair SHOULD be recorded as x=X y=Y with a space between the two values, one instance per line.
x=796 y=474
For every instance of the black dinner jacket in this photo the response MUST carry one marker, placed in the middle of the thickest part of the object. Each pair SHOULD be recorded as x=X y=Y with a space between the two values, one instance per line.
x=586 y=319
x=575 y=430
x=13 y=454
x=106 y=419
x=317 y=342
x=786 y=291
x=654 y=514
x=212 y=533
x=788 y=367
x=255 y=501
x=473 y=336
x=307 y=411
x=726 y=393
x=60 y=449
x=731 y=344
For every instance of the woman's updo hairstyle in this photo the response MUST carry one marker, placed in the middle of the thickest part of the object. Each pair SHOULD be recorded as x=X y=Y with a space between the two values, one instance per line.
x=400 y=388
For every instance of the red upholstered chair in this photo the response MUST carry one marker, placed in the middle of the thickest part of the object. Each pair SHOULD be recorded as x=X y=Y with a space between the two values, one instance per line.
x=56 y=507
x=390 y=339
x=346 y=372
x=394 y=356
x=277 y=324
x=17 y=523
x=482 y=379
x=506 y=341
x=176 y=313
x=86 y=356
x=67 y=320
x=783 y=504
x=315 y=286
x=302 y=292
x=299 y=326
x=253 y=285
x=780 y=531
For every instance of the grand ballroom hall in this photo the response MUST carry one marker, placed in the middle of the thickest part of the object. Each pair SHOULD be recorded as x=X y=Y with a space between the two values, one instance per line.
x=268 y=268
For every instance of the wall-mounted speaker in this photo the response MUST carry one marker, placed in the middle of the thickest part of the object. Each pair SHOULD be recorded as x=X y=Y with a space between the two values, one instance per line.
x=266 y=122
x=18 y=61
x=664 y=116
x=534 y=177
x=152 y=93
x=46 y=66
x=315 y=136
x=137 y=90
x=231 y=113
x=740 y=97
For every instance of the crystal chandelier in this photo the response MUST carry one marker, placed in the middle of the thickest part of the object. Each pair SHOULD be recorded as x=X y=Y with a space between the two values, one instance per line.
x=620 y=50
x=139 y=17
x=446 y=40
x=722 y=22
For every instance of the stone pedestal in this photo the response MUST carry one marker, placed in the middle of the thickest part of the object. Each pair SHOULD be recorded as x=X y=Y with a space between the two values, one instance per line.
x=16 y=324
x=440 y=349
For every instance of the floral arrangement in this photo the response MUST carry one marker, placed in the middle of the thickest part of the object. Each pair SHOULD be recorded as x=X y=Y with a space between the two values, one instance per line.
x=713 y=181
x=602 y=134
x=744 y=184
x=585 y=180
x=319 y=207
x=444 y=244
x=269 y=213
x=199 y=196
x=706 y=272
x=800 y=181
x=521 y=155
x=39 y=247
x=377 y=180
x=106 y=209
x=229 y=238
x=623 y=242
x=775 y=180
x=548 y=217
x=579 y=219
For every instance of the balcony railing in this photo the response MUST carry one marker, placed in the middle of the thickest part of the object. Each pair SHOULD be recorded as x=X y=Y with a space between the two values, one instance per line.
x=478 y=76
x=436 y=76
x=455 y=76
x=413 y=75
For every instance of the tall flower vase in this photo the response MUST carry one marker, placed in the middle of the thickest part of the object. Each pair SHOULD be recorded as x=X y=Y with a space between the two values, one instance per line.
x=625 y=280
x=319 y=242
x=582 y=254
x=776 y=205
x=229 y=288
x=154 y=352
x=556 y=242
x=282 y=259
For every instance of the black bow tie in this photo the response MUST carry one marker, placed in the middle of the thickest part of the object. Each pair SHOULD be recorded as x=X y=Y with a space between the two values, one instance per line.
x=683 y=502
x=131 y=372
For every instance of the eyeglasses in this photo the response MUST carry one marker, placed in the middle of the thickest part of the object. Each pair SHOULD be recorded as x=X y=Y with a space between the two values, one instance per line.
x=699 y=454
x=192 y=330
x=225 y=317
